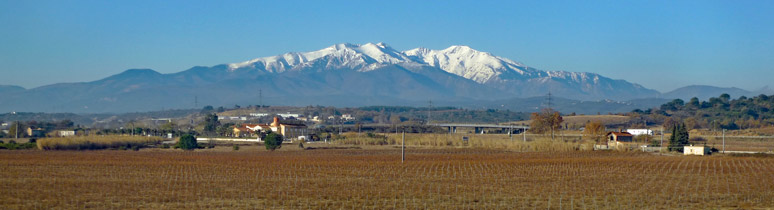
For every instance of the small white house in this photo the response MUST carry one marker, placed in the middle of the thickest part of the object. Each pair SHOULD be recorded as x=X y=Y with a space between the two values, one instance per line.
x=259 y=114
x=638 y=132
x=66 y=133
x=289 y=115
x=696 y=150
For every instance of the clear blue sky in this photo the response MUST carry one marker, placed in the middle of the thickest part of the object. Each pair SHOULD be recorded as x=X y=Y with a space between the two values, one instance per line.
x=659 y=44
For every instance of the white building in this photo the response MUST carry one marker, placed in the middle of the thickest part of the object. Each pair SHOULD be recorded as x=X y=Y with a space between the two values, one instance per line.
x=289 y=115
x=347 y=117
x=696 y=150
x=259 y=114
x=638 y=132
x=65 y=133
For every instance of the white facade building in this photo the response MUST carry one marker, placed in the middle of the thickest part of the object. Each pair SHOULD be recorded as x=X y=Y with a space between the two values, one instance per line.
x=696 y=150
x=66 y=133
x=638 y=132
x=288 y=115
x=258 y=114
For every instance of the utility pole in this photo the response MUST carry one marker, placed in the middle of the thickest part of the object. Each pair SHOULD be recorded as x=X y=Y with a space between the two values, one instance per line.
x=429 y=108
x=510 y=131
x=524 y=134
x=17 y=129
x=196 y=102
x=549 y=99
x=260 y=98
x=403 y=148
x=724 y=141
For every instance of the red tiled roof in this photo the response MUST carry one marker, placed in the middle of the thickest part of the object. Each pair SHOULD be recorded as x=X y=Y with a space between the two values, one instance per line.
x=620 y=133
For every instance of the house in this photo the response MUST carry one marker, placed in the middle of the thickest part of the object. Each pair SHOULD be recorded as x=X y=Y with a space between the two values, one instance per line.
x=289 y=115
x=65 y=133
x=620 y=136
x=259 y=114
x=347 y=117
x=241 y=132
x=35 y=132
x=257 y=127
x=619 y=139
x=696 y=150
x=638 y=132
x=288 y=130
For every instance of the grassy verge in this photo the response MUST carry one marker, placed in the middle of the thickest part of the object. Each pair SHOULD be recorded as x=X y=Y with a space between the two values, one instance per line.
x=12 y=145
x=97 y=142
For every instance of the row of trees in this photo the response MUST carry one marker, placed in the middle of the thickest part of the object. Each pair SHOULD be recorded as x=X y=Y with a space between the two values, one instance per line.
x=716 y=113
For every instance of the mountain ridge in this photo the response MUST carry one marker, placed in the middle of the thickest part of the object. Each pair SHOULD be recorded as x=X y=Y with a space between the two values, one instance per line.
x=341 y=75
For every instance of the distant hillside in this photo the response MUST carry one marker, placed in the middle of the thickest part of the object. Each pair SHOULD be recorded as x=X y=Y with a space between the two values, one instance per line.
x=704 y=92
x=6 y=89
x=343 y=75
x=721 y=112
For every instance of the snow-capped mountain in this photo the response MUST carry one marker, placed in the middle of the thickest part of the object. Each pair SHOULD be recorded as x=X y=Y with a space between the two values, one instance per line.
x=341 y=56
x=481 y=67
x=339 y=75
x=467 y=62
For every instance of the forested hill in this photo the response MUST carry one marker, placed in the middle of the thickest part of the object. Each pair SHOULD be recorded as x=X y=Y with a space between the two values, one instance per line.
x=718 y=112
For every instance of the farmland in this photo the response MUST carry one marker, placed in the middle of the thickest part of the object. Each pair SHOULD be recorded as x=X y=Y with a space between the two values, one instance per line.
x=372 y=177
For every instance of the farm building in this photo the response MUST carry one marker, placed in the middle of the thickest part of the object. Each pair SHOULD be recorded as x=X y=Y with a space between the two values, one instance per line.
x=35 y=132
x=241 y=132
x=289 y=131
x=620 y=136
x=638 y=132
x=64 y=133
x=696 y=150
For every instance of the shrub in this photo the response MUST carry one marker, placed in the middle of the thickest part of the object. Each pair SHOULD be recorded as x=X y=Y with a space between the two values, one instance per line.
x=95 y=142
x=165 y=146
x=236 y=147
x=272 y=141
x=10 y=146
x=187 y=142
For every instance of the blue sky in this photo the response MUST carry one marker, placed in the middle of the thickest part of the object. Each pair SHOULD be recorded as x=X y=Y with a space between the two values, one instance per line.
x=662 y=45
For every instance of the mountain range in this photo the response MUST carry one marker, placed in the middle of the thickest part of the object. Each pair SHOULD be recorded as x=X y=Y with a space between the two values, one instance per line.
x=341 y=75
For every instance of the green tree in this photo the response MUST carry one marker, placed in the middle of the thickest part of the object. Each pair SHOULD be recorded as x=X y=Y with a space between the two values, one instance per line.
x=679 y=138
x=211 y=123
x=187 y=142
x=272 y=141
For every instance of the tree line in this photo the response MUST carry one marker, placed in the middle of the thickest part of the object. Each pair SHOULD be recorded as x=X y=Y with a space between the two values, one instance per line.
x=716 y=113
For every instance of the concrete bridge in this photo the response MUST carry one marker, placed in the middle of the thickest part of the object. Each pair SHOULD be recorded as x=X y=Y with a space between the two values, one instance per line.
x=479 y=128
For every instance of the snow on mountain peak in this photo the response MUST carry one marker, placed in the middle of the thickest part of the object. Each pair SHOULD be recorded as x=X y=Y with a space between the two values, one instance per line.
x=355 y=56
x=469 y=63
x=460 y=60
